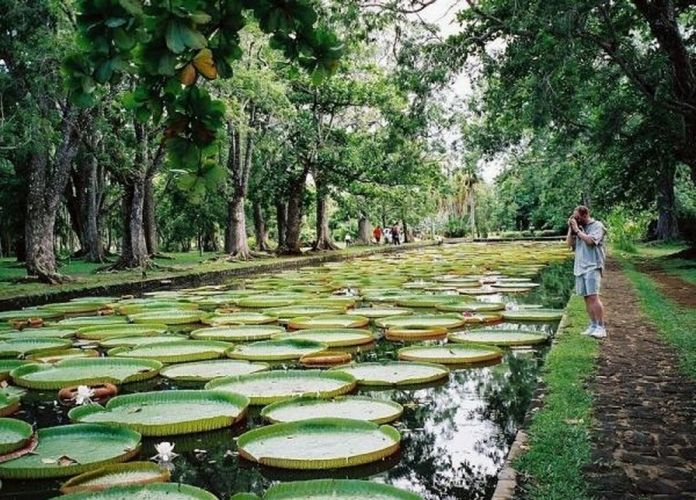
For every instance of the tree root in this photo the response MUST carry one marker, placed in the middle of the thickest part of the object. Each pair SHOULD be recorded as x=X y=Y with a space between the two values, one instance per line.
x=324 y=244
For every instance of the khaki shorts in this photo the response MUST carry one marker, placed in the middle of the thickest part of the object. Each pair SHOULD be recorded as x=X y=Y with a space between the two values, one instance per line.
x=588 y=283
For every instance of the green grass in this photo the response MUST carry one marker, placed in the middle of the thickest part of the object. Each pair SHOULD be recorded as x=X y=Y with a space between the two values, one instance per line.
x=85 y=276
x=559 y=433
x=675 y=324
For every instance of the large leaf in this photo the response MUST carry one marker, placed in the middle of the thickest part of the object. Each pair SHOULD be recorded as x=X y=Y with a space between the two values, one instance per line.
x=355 y=407
x=394 y=373
x=14 y=434
x=110 y=476
x=168 y=491
x=337 y=489
x=175 y=352
x=276 y=350
x=203 y=371
x=453 y=354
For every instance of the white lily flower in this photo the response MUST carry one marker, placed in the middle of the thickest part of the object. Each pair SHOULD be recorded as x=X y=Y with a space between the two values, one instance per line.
x=165 y=452
x=83 y=395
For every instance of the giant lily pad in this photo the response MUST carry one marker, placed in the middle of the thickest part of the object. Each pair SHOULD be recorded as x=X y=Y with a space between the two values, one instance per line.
x=470 y=306
x=21 y=347
x=80 y=321
x=319 y=443
x=167 y=316
x=328 y=321
x=454 y=354
x=379 y=312
x=262 y=302
x=78 y=307
x=423 y=321
x=498 y=337
x=155 y=491
x=304 y=310
x=38 y=333
x=394 y=373
x=126 y=330
x=14 y=434
x=7 y=365
x=356 y=407
x=9 y=404
x=533 y=315
x=109 y=476
x=240 y=318
x=276 y=350
x=85 y=371
x=237 y=333
x=414 y=334
x=29 y=313
x=55 y=355
x=425 y=300
x=139 y=341
x=337 y=489
x=268 y=387
x=67 y=450
x=203 y=371
x=165 y=413
x=332 y=337
x=175 y=352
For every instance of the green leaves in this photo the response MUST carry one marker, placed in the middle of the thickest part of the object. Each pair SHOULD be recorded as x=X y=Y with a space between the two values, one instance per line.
x=181 y=36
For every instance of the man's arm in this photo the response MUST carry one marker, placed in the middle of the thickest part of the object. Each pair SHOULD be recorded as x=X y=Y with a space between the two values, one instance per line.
x=593 y=237
x=570 y=238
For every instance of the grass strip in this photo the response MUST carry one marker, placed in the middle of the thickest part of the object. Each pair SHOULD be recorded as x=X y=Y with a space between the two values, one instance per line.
x=559 y=435
x=674 y=323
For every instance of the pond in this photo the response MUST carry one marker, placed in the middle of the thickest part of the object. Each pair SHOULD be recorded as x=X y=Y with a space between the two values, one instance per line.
x=455 y=434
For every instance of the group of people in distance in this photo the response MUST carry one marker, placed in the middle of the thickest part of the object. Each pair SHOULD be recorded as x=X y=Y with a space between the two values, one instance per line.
x=391 y=234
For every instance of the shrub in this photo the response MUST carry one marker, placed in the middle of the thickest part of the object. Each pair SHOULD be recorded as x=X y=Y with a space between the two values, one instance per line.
x=625 y=227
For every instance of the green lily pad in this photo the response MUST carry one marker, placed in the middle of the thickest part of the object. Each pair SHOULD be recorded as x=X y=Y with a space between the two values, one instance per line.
x=304 y=310
x=74 y=307
x=174 y=352
x=498 y=337
x=262 y=302
x=166 y=413
x=126 y=330
x=268 y=387
x=67 y=450
x=394 y=373
x=337 y=489
x=140 y=341
x=425 y=300
x=237 y=333
x=454 y=354
x=168 y=491
x=240 y=318
x=471 y=306
x=328 y=321
x=332 y=337
x=110 y=476
x=422 y=321
x=203 y=371
x=9 y=404
x=85 y=371
x=276 y=350
x=319 y=443
x=167 y=316
x=55 y=355
x=38 y=333
x=14 y=434
x=533 y=315
x=29 y=313
x=355 y=407
x=379 y=312
x=80 y=321
x=21 y=347
x=7 y=365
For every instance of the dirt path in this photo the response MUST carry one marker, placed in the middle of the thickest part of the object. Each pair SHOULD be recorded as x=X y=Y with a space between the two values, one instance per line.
x=680 y=291
x=645 y=437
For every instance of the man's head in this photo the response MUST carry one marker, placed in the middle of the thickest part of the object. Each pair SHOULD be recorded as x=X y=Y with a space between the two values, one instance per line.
x=582 y=214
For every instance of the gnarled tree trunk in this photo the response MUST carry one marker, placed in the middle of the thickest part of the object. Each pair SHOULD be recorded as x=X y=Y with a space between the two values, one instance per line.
x=149 y=222
x=323 y=241
x=667 y=227
x=294 y=218
x=364 y=230
x=281 y=221
x=260 y=229
x=93 y=249
x=133 y=249
x=237 y=243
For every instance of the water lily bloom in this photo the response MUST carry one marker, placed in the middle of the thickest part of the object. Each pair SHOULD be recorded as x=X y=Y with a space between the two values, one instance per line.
x=165 y=452
x=83 y=395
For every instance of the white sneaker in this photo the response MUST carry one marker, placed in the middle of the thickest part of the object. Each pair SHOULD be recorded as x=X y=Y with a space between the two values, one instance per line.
x=588 y=330
x=599 y=332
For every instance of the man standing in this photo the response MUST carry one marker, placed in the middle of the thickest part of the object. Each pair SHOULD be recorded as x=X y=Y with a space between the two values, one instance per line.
x=586 y=237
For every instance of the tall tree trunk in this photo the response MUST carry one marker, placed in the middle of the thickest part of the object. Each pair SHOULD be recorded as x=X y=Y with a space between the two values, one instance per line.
x=294 y=218
x=149 y=218
x=260 y=229
x=408 y=236
x=364 y=230
x=667 y=228
x=93 y=250
x=281 y=221
x=133 y=250
x=323 y=241
x=210 y=242
x=237 y=244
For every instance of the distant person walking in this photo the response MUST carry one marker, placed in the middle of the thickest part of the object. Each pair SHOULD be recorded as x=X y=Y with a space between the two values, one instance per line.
x=586 y=237
x=377 y=234
x=396 y=234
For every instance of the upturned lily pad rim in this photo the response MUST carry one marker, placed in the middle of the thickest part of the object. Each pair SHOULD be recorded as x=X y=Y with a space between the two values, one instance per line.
x=76 y=484
x=46 y=471
x=422 y=321
x=268 y=410
x=440 y=373
x=415 y=334
x=348 y=384
x=40 y=344
x=167 y=316
x=149 y=369
x=319 y=425
x=200 y=350
x=299 y=490
x=9 y=404
x=487 y=353
x=471 y=306
x=534 y=315
x=210 y=333
x=121 y=330
x=334 y=321
x=122 y=492
x=254 y=350
x=190 y=397
x=22 y=433
x=359 y=337
x=515 y=338
x=166 y=371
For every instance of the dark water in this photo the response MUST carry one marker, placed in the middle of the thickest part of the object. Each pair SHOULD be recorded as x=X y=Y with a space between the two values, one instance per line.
x=455 y=435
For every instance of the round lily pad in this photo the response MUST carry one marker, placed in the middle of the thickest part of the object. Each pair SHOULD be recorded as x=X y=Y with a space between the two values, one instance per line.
x=174 y=352
x=168 y=491
x=533 y=315
x=38 y=333
x=29 y=313
x=454 y=354
x=379 y=312
x=14 y=434
x=394 y=373
x=202 y=371
x=337 y=489
x=414 y=334
x=80 y=321
x=109 y=476
x=268 y=387
x=471 y=306
x=166 y=413
x=9 y=404
x=304 y=310
x=483 y=290
x=425 y=300
x=423 y=321
x=85 y=371
x=139 y=341
x=126 y=330
x=55 y=355
x=167 y=316
x=67 y=450
x=262 y=302
x=328 y=321
x=237 y=333
x=240 y=318
x=7 y=365
x=21 y=347
x=356 y=407
x=332 y=337
x=75 y=307
x=276 y=350
x=319 y=443
x=514 y=285
x=498 y=337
